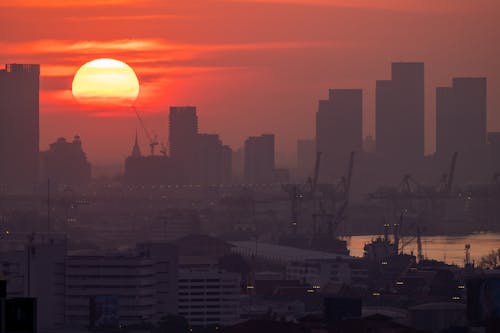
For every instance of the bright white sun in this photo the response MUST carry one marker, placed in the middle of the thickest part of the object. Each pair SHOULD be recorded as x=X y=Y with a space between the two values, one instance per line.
x=105 y=82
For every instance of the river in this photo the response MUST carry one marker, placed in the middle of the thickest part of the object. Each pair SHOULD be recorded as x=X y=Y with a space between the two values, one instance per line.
x=450 y=249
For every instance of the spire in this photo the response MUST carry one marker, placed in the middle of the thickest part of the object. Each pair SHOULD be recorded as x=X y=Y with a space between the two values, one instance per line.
x=136 y=151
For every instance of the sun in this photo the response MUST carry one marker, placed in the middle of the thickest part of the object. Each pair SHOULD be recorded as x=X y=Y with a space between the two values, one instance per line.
x=105 y=83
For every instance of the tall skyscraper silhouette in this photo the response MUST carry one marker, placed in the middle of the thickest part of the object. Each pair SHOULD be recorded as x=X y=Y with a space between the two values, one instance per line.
x=400 y=113
x=19 y=127
x=339 y=130
x=213 y=160
x=259 y=159
x=461 y=116
x=183 y=139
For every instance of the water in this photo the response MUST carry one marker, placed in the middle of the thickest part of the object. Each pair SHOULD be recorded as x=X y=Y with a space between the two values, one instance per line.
x=450 y=249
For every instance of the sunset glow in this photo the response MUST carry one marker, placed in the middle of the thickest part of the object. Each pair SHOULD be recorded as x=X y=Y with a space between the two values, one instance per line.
x=105 y=82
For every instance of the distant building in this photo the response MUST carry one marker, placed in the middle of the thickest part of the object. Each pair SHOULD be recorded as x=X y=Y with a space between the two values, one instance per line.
x=183 y=139
x=400 y=113
x=306 y=157
x=461 y=116
x=147 y=170
x=259 y=159
x=237 y=165
x=339 y=130
x=213 y=160
x=65 y=164
x=19 y=127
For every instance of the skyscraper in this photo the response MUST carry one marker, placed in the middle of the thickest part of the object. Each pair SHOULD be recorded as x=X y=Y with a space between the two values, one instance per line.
x=183 y=139
x=259 y=159
x=213 y=160
x=19 y=127
x=461 y=116
x=339 y=130
x=400 y=113
x=306 y=156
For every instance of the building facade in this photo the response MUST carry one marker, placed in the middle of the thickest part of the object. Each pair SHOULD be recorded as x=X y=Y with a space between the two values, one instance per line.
x=19 y=127
x=400 y=113
x=259 y=162
x=339 y=130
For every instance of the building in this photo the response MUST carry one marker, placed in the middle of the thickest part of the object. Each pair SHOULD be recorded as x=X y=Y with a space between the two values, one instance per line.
x=259 y=159
x=19 y=127
x=213 y=160
x=306 y=157
x=143 y=281
x=320 y=273
x=34 y=266
x=147 y=170
x=183 y=139
x=209 y=296
x=400 y=114
x=339 y=130
x=461 y=116
x=65 y=164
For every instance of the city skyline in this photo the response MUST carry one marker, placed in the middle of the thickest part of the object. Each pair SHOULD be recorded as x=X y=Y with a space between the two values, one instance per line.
x=242 y=82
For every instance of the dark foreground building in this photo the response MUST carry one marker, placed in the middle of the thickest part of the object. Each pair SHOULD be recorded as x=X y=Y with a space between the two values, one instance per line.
x=19 y=127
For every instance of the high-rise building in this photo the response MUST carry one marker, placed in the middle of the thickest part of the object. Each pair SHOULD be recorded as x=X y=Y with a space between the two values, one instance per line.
x=213 y=160
x=339 y=130
x=306 y=156
x=461 y=116
x=259 y=159
x=65 y=163
x=183 y=139
x=400 y=113
x=19 y=127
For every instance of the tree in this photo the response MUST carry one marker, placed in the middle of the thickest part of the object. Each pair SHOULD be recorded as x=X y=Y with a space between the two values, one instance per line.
x=491 y=260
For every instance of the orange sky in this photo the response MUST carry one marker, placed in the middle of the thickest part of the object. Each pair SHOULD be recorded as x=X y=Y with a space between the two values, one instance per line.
x=250 y=66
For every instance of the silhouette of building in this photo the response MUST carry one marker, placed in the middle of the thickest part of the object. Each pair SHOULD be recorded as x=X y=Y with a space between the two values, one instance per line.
x=19 y=127
x=65 y=164
x=183 y=139
x=400 y=113
x=147 y=170
x=339 y=130
x=213 y=160
x=306 y=157
x=461 y=116
x=259 y=159
x=238 y=165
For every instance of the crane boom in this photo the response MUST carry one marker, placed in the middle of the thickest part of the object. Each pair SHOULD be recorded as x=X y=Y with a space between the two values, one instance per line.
x=451 y=173
x=153 y=142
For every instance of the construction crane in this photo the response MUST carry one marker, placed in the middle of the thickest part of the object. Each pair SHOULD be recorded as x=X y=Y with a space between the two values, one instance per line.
x=153 y=141
x=298 y=193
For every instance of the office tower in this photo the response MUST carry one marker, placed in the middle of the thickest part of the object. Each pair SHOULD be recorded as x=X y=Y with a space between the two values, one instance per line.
x=306 y=156
x=259 y=159
x=400 y=113
x=461 y=116
x=339 y=130
x=65 y=164
x=213 y=160
x=183 y=139
x=19 y=127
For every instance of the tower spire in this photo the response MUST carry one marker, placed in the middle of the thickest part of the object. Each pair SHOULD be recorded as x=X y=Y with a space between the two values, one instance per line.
x=136 y=150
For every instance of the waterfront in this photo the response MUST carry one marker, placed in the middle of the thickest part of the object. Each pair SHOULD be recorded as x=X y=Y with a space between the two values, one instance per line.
x=450 y=249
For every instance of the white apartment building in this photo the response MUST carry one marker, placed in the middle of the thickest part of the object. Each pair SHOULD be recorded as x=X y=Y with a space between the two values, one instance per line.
x=320 y=272
x=209 y=296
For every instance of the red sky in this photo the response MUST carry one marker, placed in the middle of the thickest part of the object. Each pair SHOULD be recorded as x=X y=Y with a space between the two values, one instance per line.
x=249 y=66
